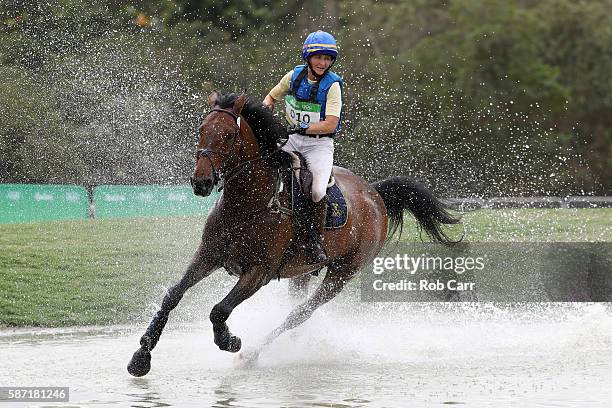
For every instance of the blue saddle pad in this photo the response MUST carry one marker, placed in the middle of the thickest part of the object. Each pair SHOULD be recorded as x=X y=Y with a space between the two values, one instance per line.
x=337 y=210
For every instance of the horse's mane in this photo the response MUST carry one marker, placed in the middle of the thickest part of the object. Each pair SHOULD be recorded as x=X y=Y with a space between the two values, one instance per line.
x=268 y=128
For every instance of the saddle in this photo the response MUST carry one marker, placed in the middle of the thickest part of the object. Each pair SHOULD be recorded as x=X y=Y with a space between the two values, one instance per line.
x=294 y=174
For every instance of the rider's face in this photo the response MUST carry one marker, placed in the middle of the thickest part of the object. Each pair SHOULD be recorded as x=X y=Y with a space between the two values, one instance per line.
x=320 y=63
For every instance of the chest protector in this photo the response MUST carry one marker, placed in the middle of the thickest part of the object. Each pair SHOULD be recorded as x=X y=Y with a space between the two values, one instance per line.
x=305 y=98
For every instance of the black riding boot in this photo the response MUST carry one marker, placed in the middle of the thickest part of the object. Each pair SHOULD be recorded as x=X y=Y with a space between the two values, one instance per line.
x=311 y=222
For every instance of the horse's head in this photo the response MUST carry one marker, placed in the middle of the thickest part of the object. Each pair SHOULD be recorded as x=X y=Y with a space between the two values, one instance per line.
x=220 y=145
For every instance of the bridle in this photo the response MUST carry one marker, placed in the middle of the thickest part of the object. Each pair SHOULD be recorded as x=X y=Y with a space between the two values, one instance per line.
x=217 y=173
x=219 y=176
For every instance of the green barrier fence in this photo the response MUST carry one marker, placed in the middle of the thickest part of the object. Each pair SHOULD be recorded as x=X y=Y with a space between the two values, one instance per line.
x=142 y=201
x=42 y=202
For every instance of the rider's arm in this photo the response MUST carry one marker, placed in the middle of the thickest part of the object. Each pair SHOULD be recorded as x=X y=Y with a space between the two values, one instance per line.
x=269 y=101
x=325 y=126
x=333 y=107
x=279 y=91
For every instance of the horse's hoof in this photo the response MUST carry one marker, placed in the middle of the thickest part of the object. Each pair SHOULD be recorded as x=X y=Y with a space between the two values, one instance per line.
x=230 y=343
x=235 y=344
x=140 y=364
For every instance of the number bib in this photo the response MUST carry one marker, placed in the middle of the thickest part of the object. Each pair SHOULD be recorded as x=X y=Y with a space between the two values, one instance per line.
x=301 y=112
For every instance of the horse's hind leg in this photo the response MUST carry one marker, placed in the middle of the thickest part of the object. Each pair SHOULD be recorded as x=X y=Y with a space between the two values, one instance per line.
x=140 y=364
x=248 y=283
x=336 y=278
x=298 y=288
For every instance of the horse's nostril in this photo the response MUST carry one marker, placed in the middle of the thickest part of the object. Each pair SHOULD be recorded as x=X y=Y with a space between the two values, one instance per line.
x=201 y=186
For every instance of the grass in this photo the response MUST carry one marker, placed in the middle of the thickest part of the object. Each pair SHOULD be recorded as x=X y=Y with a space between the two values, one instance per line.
x=537 y=225
x=103 y=271
x=88 y=272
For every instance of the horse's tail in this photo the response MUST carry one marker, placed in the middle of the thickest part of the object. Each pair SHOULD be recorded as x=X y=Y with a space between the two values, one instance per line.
x=404 y=193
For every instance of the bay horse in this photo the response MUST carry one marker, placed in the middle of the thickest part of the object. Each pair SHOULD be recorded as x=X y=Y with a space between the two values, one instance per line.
x=238 y=146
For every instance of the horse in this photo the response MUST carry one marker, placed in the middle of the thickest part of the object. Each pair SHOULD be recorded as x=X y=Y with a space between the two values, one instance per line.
x=239 y=148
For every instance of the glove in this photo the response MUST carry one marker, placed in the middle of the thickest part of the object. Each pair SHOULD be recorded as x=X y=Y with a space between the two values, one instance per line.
x=300 y=128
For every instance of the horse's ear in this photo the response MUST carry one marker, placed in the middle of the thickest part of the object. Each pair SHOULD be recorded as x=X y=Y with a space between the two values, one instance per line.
x=212 y=99
x=239 y=104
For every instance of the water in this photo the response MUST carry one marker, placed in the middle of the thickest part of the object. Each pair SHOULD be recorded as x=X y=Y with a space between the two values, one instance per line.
x=349 y=354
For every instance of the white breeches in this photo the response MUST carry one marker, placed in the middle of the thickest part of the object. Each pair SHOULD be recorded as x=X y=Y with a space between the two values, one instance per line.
x=319 y=154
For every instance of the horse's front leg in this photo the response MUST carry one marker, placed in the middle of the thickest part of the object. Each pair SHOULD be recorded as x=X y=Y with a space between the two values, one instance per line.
x=201 y=266
x=248 y=283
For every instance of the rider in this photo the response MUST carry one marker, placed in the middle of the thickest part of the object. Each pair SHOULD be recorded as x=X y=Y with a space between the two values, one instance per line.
x=313 y=105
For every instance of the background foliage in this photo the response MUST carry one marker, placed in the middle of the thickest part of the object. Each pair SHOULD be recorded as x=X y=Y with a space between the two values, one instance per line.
x=475 y=97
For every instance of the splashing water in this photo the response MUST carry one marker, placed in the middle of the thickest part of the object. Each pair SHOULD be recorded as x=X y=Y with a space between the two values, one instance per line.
x=349 y=353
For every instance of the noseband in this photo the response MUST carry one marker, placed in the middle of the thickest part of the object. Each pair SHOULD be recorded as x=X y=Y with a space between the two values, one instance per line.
x=217 y=174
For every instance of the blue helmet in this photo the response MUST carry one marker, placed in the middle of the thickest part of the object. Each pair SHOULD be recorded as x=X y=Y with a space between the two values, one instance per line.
x=320 y=42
